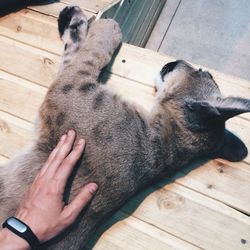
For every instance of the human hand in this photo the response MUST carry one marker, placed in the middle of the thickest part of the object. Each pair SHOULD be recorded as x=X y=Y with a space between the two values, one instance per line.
x=42 y=208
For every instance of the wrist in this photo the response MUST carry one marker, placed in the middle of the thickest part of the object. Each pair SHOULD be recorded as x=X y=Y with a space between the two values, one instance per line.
x=22 y=230
x=11 y=241
x=32 y=223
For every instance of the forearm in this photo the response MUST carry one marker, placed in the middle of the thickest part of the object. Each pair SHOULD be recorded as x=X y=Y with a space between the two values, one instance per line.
x=10 y=241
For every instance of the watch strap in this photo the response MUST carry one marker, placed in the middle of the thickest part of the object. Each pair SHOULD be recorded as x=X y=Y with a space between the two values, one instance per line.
x=23 y=231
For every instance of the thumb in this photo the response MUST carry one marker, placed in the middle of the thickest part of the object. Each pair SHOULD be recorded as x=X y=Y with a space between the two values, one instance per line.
x=72 y=210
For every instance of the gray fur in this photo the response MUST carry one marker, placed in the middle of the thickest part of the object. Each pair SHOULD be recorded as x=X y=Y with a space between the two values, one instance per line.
x=125 y=149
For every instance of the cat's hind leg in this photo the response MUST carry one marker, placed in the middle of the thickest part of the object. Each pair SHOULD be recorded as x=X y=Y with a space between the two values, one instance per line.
x=84 y=58
x=73 y=28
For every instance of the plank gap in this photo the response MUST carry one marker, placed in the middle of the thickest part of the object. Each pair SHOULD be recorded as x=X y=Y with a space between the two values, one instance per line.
x=40 y=12
x=16 y=116
x=211 y=197
x=31 y=45
x=18 y=76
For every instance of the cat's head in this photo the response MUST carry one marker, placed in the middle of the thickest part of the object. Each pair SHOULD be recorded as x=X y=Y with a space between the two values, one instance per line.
x=204 y=109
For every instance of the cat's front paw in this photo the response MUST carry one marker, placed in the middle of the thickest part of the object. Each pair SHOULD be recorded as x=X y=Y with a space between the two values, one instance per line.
x=72 y=24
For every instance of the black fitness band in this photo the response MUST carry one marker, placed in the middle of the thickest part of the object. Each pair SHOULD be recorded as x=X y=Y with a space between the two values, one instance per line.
x=22 y=230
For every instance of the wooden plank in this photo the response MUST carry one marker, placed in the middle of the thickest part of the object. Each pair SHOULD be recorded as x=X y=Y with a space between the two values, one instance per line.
x=140 y=60
x=139 y=234
x=94 y=5
x=54 y=9
x=225 y=182
x=240 y=165
x=15 y=133
x=27 y=99
x=192 y=217
x=27 y=62
x=19 y=25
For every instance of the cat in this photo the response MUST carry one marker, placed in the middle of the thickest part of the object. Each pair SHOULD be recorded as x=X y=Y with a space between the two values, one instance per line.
x=126 y=148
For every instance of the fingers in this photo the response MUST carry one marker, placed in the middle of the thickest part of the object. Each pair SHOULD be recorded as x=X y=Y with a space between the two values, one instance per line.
x=62 y=152
x=62 y=160
x=52 y=154
x=64 y=171
x=71 y=211
x=59 y=145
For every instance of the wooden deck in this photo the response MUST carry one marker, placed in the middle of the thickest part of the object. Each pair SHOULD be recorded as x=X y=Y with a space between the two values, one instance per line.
x=203 y=208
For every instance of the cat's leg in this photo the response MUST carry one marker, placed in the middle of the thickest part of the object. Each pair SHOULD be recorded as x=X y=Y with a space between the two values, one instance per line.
x=104 y=36
x=84 y=58
x=79 y=73
x=72 y=27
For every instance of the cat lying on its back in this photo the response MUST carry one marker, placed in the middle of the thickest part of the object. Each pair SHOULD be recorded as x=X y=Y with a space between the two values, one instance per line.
x=125 y=149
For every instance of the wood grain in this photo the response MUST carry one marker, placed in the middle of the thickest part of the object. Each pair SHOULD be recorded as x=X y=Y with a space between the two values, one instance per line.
x=15 y=134
x=28 y=26
x=192 y=217
x=139 y=234
x=28 y=62
x=54 y=9
x=224 y=182
x=30 y=96
x=93 y=6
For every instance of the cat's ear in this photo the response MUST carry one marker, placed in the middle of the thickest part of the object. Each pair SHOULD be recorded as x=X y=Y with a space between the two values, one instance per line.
x=220 y=108
x=233 y=148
